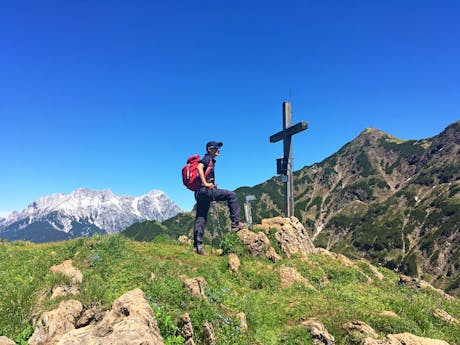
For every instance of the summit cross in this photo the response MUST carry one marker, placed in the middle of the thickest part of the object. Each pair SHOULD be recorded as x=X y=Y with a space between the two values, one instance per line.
x=284 y=165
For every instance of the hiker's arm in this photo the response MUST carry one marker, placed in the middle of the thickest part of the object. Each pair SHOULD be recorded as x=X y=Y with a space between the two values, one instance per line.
x=200 y=168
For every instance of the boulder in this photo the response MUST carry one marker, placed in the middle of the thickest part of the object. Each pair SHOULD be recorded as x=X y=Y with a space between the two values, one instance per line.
x=185 y=326
x=53 y=324
x=209 y=334
x=360 y=329
x=404 y=339
x=258 y=244
x=390 y=314
x=130 y=321
x=319 y=333
x=291 y=235
x=234 y=263
x=195 y=285
x=67 y=269
x=289 y=276
x=184 y=240
x=444 y=316
x=6 y=341
x=65 y=291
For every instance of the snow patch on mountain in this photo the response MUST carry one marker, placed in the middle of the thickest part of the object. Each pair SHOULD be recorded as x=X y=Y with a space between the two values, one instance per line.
x=101 y=209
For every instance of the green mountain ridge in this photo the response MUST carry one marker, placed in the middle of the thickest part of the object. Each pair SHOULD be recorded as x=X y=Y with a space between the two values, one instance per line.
x=395 y=202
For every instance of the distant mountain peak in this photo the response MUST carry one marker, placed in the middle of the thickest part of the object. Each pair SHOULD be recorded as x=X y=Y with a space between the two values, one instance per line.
x=88 y=210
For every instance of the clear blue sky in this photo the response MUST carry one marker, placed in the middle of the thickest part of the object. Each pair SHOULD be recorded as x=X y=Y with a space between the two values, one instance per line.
x=117 y=94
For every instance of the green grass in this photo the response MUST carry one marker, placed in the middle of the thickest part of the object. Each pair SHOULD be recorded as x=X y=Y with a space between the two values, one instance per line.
x=113 y=265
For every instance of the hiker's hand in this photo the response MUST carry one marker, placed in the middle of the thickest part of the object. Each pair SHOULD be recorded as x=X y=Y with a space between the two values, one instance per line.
x=210 y=185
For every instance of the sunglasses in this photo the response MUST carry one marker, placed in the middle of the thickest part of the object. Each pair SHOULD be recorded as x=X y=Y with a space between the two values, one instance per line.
x=215 y=147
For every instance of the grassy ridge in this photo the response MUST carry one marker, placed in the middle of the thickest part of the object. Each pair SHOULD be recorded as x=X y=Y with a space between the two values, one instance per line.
x=113 y=265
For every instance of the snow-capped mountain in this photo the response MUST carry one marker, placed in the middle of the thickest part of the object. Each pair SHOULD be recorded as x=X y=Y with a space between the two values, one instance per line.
x=84 y=212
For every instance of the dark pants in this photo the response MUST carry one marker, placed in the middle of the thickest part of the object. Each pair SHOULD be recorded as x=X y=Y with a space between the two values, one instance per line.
x=204 y=196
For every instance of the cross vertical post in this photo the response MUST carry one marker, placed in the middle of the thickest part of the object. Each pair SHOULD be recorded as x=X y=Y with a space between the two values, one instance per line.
x=287 y=150
x=285 y=164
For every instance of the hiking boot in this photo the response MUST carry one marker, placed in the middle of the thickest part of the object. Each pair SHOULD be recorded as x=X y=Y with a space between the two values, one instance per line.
x=239 y=226
x=199 y=250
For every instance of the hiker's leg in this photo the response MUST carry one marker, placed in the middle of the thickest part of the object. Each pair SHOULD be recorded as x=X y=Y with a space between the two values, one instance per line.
x=232 y=201
x=202 y=208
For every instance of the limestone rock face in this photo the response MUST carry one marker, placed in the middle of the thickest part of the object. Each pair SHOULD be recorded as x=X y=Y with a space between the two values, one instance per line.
x=404 y=339
x=53 y=324
x=258 y=244
x=291 y=235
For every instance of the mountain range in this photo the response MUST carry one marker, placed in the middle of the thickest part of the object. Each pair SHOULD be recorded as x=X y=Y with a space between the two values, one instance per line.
x=84 y=212
x=394 y=202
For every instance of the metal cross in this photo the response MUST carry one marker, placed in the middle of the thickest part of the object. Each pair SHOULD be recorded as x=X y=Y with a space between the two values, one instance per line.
x=284 y=165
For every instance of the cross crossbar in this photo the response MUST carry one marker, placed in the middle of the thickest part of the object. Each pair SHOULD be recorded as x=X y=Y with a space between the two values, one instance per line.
x=298 y=127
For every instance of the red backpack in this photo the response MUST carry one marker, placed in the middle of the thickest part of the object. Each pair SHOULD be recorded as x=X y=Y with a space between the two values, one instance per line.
x=190 y=176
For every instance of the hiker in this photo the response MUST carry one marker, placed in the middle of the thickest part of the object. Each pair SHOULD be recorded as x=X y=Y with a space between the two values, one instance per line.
x=208 y=192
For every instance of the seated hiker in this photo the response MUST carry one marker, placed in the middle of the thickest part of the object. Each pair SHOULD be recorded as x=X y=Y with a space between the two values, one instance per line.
x=208 y=192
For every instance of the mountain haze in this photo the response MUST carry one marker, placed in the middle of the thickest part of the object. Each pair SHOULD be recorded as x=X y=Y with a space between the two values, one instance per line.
x=84 y=212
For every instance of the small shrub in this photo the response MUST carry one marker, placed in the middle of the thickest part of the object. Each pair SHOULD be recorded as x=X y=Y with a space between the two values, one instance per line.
x=231 y=243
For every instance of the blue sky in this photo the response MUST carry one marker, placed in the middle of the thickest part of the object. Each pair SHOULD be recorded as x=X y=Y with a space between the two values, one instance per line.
x=117 y=94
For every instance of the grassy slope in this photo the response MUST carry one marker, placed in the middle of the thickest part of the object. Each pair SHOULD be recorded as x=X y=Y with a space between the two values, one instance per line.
x=113 y=265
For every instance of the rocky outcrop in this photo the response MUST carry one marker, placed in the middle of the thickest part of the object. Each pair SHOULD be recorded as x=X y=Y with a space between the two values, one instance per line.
x=416 y=283
x=291 y=235
x=361 y=330
x=195 y=285
x=209 y=334
x=258 y=244
x=446 y=317
x=319 y=333
x=76 y=277
x=289 y=276
x=130 y=321
x=65 y=291
x=54 y=324
x=404 y=339
x=67 y=269
x=185 y=327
